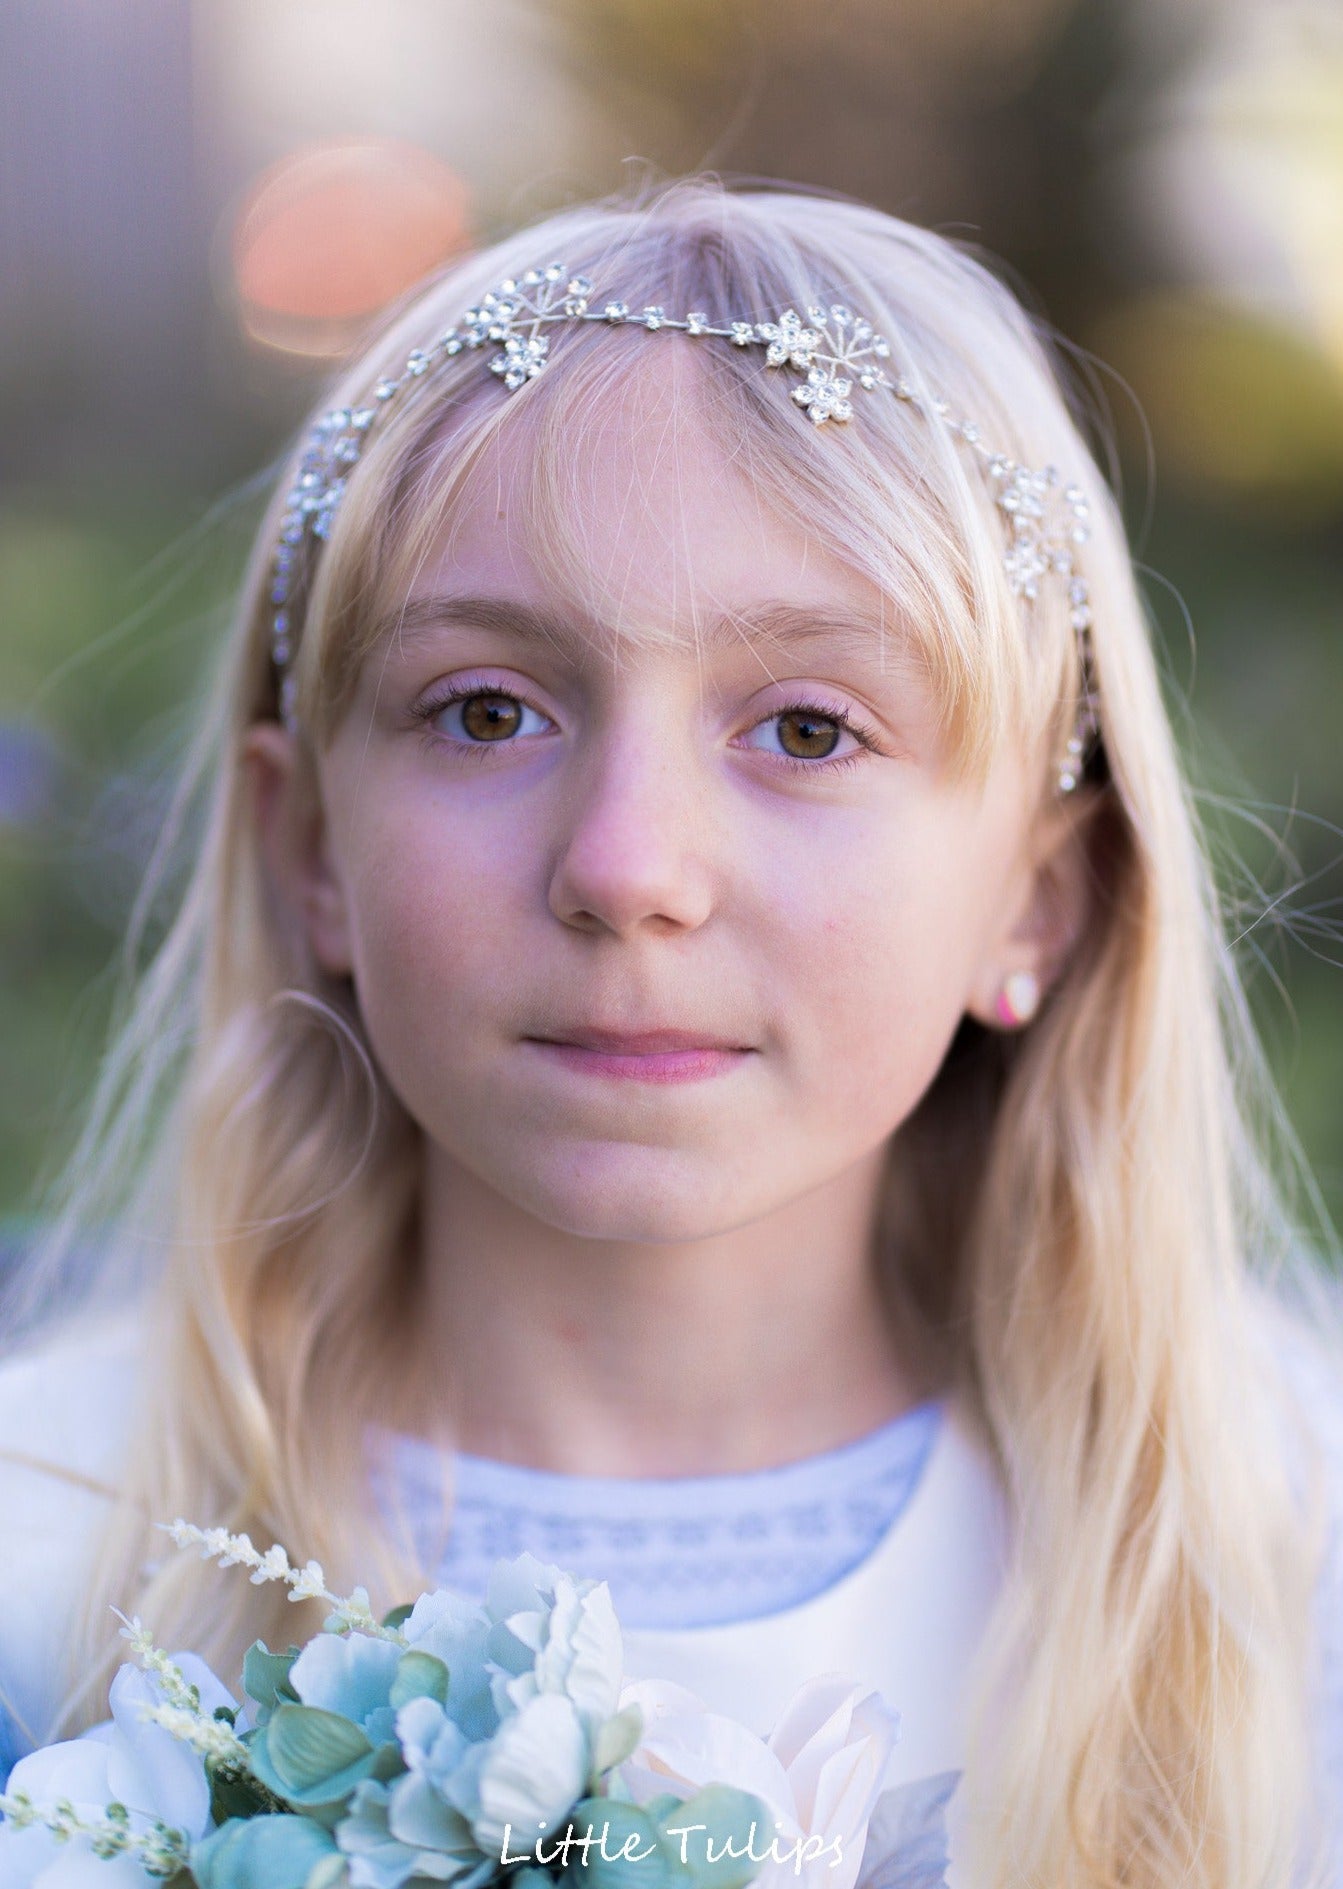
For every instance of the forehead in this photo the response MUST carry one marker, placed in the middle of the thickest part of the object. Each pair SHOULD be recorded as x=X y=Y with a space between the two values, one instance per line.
x=644 y=523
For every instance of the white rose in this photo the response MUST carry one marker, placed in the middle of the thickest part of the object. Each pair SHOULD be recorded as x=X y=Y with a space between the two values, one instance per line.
x=819 y=1772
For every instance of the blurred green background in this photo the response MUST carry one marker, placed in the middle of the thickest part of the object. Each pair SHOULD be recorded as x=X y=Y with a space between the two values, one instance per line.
x=202 y=206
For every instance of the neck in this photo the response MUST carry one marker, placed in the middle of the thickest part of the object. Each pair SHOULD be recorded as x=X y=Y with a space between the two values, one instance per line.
x=753 y=1347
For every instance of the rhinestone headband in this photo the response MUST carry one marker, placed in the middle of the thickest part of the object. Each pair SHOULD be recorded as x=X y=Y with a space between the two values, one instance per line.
x=836 y=352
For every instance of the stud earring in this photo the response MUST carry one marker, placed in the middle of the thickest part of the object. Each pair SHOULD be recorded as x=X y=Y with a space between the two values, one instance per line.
x=1018 y=999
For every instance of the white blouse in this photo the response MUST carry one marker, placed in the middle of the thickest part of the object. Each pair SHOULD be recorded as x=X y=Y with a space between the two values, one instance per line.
x=906 y=1620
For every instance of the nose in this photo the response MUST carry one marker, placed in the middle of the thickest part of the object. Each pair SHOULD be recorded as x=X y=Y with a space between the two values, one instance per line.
x=635 y=844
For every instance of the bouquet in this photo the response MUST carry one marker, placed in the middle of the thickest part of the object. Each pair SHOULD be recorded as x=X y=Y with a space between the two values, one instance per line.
x=460 y=1744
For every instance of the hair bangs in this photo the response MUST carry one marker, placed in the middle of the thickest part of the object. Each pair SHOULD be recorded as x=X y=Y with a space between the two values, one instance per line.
x=890 y=493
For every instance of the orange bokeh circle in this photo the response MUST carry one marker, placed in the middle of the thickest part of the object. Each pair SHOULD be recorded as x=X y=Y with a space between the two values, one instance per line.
x=332 y=233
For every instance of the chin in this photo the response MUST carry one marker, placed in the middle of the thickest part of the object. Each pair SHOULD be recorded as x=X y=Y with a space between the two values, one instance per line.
x=653 y=1197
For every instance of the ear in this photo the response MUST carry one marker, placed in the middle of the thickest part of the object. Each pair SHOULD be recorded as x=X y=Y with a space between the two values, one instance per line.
x=292 y=831
x=1048 y=906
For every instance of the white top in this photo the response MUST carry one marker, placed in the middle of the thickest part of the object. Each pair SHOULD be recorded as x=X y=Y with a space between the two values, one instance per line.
x=674 y=1551
x=907 y=1619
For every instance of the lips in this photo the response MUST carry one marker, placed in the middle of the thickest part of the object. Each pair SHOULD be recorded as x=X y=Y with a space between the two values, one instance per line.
x=641 y=1042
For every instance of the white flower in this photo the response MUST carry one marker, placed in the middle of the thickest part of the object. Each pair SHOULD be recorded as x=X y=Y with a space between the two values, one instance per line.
x=238 y=1549
x=310 y=1583
x=128 y=1760
x=819 y=1772
x=273 y=1566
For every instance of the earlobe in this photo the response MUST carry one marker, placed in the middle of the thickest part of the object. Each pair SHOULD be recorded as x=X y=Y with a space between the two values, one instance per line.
x=292 y=834
x=1043 y=928
x=1018 y=999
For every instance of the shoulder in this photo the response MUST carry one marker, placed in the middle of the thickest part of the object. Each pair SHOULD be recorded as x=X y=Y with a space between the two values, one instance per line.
x=61 y=1396
x=1307 y=1356
x=67 y=1407
x=1307 y=1379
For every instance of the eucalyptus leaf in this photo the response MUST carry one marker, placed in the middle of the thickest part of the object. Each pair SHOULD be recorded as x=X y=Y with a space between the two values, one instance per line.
x=398 y=1616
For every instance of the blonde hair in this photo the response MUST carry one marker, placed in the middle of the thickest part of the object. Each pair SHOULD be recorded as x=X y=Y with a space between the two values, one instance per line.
x=1085 y=1218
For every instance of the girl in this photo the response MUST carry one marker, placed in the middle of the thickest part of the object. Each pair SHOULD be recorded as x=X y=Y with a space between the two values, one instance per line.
x=699 y=1042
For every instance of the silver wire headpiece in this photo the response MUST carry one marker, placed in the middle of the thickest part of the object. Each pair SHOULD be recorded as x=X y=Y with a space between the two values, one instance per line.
x=833 y=348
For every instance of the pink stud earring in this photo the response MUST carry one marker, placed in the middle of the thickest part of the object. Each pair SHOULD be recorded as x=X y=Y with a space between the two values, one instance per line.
x=1018 y=999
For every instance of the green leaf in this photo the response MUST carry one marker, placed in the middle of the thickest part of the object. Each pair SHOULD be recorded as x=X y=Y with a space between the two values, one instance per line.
x=312 y=1758
x=659 y=1807
x=617 y=1739
x=388 y=1762
x=307 y=1745
x=234 y=1793
x=636 y=1855
x=735 y=1824
x=419 y=1676
x=262 y=1853
x=265 y=1675
x=398 y=1616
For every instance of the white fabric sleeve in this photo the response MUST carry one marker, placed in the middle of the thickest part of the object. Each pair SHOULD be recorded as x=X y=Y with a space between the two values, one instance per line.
x=65 y=1416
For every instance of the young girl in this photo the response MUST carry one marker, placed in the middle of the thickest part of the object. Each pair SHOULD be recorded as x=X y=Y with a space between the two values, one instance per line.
x=699 y=1043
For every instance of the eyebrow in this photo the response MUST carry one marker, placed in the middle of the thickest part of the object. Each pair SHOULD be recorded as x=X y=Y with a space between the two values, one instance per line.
x=421 y=621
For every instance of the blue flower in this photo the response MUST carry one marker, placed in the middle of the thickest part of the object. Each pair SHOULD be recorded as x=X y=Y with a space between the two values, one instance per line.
x=455 y=1631
x=450 y=1814
x=350 y=1673
x=553 y=1634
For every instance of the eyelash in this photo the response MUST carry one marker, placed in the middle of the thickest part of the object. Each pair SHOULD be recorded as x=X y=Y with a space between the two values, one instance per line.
x=478 y=750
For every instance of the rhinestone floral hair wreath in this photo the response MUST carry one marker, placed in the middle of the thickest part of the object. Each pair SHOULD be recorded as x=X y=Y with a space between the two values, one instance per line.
x=834 y=350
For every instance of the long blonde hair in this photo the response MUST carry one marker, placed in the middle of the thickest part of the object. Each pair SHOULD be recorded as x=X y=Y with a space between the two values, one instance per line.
x=1087 y=1220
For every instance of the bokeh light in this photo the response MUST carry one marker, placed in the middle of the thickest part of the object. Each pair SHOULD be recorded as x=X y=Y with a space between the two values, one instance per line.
x=332 y=233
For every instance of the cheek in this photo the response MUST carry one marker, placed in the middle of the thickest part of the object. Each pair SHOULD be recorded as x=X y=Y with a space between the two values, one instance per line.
x=431 y=920
x=881 y=982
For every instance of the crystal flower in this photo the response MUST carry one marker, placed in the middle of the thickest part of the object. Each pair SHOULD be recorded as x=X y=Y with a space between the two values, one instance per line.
x=790 y=342
x=825 y=396
x=522 y=359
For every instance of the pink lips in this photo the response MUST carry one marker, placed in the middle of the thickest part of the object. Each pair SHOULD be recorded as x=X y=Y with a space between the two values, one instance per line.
x=645 y=1055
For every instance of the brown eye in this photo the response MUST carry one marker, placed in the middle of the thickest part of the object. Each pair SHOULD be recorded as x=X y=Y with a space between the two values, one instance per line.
x=489 y=717
x=816 y=735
